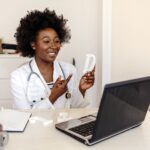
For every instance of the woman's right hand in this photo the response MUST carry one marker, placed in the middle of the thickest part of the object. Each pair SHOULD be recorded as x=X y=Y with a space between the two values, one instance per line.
x=59 y=88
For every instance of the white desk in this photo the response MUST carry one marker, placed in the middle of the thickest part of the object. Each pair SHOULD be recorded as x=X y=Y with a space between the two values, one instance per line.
x=39 y=137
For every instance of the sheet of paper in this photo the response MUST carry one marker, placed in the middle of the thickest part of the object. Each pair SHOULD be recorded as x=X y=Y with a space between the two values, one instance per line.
x=13 y=120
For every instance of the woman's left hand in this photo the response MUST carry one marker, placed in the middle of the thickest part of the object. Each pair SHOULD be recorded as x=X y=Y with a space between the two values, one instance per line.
x=87 y=81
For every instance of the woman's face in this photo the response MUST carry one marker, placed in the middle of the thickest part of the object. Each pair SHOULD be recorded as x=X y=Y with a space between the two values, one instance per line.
x=47 y=45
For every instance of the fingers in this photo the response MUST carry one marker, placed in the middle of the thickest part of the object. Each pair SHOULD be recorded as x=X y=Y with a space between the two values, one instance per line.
x=93 y=70
x=58 y=82
x=89 y=77
x=58 y=79
x=68 y=79
x=90 y=73
x=89 y=80
x=63 y=83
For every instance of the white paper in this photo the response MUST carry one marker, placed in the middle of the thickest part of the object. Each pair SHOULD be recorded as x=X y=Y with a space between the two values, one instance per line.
x=13 y=120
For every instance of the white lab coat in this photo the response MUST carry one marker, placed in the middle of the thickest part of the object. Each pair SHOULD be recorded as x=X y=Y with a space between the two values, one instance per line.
x=37 y=97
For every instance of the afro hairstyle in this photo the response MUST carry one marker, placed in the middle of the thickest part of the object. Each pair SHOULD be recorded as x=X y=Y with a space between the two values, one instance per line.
x=35 y=21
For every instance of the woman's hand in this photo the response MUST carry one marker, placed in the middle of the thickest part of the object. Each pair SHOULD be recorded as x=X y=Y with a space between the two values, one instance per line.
x=59 y=88
x=87 y=81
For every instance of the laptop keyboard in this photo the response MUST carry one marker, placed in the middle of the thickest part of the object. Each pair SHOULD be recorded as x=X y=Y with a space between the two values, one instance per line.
x=84 y=129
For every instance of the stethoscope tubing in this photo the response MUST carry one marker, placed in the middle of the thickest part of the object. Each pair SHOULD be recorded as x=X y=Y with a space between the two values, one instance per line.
x=67 y=95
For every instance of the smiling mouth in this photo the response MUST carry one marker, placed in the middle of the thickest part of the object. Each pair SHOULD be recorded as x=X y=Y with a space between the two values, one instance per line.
x=52 y=54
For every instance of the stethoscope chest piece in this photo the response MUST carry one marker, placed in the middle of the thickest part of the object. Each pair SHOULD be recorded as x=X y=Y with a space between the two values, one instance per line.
x=68 y=95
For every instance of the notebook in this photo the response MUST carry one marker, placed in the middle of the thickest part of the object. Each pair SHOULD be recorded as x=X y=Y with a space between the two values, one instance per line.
x=123 y=106
x=13 y=120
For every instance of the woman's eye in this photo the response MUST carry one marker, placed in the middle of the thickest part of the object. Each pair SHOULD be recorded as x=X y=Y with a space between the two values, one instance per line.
x=46 y=41
x=57 y=41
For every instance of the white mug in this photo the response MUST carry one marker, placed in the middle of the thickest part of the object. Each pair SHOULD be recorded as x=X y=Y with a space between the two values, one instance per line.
x=89 y=63
x=3 y=139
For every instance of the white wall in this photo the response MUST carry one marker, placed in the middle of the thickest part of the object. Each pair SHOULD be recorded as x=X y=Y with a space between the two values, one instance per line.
x=106 y=41
x=130 y=39
x=84 y=20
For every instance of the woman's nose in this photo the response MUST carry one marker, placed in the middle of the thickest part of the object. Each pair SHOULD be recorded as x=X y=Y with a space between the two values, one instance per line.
x=54 y=44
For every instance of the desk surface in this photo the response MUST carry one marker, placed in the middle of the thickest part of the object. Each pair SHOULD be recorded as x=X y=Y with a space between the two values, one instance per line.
x=40 y=137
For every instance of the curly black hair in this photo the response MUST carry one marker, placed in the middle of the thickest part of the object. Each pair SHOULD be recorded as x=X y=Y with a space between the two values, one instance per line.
x=35 y=21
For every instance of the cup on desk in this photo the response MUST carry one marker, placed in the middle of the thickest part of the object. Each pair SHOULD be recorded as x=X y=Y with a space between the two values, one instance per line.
x=3 y=137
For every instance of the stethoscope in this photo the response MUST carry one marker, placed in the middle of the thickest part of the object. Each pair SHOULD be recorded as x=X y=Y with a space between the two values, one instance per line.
x=67 y=94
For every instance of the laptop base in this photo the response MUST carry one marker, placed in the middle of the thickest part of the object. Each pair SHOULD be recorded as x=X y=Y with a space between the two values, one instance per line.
x=91 y=142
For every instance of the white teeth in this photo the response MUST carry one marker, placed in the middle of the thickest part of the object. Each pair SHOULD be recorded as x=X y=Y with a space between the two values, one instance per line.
x=51 y=54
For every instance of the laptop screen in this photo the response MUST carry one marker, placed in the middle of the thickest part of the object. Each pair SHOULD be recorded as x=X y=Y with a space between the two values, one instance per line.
x=123 y=106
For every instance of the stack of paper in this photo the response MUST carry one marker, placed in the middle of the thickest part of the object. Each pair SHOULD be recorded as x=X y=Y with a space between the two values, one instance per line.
x=13 y=120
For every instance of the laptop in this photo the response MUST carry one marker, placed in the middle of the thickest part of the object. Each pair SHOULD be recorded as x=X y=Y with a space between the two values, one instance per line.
x=123 y=106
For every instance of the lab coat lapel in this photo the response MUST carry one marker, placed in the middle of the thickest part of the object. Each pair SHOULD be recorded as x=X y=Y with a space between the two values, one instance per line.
x=57 y=71
x=36 y=69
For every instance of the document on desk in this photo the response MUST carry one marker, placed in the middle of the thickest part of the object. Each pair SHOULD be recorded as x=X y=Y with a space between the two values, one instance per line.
x=13 y=120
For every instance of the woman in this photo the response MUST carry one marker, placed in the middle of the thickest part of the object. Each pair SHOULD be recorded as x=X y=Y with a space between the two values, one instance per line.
x=45 y=82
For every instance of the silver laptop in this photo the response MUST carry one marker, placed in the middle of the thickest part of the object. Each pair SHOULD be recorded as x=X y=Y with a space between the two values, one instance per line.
x=123 y=106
